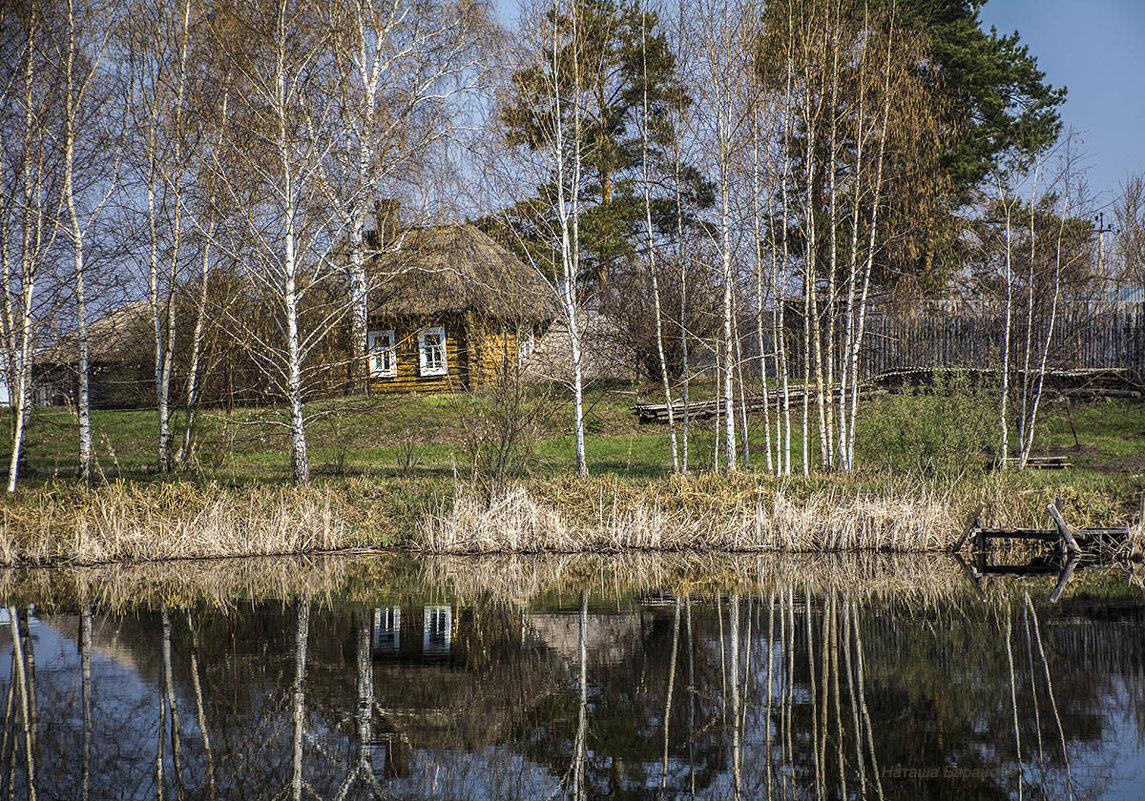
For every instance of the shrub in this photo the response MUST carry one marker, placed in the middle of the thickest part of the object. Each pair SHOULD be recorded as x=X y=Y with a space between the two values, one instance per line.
x=945 y=428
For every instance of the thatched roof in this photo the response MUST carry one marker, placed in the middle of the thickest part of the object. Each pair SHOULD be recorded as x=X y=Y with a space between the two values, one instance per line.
x=457 y=268
x=123 y=335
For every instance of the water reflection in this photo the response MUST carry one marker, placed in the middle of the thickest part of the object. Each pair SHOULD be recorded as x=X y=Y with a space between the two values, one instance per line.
x=422 y=682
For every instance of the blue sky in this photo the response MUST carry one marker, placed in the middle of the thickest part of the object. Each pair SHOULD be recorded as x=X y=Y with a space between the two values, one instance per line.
x=1095 y=48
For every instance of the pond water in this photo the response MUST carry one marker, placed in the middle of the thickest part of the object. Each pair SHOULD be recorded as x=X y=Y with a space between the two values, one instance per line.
x=564 y=678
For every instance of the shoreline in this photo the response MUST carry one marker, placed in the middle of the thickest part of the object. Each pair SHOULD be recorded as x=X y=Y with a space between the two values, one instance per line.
x=515 y=579
x=709 y=514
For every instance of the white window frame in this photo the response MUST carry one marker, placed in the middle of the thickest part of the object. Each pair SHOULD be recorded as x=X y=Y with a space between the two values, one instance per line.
x=526 y=344
x=388 y=629
x=423 y=351
x=383 y=360
x=437 y=630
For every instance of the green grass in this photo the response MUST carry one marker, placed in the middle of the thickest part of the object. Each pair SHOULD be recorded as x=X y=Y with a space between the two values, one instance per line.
x=424 y=436
x=392 y=461
x=384 y=467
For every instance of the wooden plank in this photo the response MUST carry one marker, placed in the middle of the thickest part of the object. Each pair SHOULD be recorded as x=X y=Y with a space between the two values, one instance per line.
x=1063 y=580
x=1019 y=534
x=1063 y=529
x=972 y=522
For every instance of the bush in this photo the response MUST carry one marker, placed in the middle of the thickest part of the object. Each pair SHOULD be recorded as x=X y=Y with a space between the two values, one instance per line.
x=945 y=428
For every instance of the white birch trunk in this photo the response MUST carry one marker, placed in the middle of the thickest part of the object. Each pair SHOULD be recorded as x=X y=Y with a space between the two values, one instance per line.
x=1007 y=334
x=757 y=237
x=1028 y=444
x=368 y=73
x=1029 y=334
x=810 y=277
x=165 y=367
x=20 y=325
x=570 y=239
x=833 y=263
x=742 y=394
x=728 y=344
x=299 y=458
x=192 y=409
x=786 y=255
x=71 y=110
x=651 y=262
x=683 y=322
x=870 y=259
x=849 y=365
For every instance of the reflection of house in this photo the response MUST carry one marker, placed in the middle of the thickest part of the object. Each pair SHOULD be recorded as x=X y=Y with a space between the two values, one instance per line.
x=452 y=308
x=428 y=635
x=608 y=638
x=437 y=630
x=388 y=630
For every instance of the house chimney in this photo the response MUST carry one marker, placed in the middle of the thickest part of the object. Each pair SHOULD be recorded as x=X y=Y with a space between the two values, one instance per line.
x=388 y=214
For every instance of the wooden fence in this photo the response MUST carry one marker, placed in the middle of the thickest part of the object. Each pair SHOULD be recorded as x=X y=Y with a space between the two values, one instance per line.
x=1085 y=336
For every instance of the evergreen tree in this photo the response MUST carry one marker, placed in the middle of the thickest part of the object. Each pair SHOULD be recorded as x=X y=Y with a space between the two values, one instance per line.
x=605 y=66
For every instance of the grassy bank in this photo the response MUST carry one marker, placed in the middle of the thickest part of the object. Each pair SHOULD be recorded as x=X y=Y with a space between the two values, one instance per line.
x=397 y=472
x=749 y=512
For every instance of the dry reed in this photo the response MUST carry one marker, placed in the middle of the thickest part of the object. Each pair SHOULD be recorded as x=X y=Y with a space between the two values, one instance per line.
x=826 y=520
x=746 y=513
x=169 y=521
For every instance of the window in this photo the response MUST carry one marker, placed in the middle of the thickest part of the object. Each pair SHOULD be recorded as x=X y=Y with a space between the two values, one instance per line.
x=383 y=361
x=388 y=630
x=437 y=630
x=526 y=343
x=431 y=346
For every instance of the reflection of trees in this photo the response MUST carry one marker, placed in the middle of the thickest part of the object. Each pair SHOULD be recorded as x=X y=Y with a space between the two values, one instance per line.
x=85 y=678
x=781 y=695
x=24 y=675
x=298 y=697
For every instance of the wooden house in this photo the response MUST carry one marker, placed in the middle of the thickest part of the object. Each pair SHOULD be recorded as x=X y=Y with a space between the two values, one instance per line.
x=121 y=362
x=452 y=310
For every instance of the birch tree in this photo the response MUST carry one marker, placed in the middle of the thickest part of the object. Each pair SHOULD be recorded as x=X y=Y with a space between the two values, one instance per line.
x=274 y=149
x=401 y=71
x=545 y=122
x=210 y=218
x=1129 y=210
x=650 y=232
x=79 y=55
x=29 y=202
x=722 y=48
x=161 y=50
x=1049 y=260
x=844 y=90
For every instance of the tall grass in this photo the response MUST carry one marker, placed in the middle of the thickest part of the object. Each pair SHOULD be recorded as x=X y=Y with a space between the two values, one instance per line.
x=827 y=520
x=123 y=522
x=745 y=513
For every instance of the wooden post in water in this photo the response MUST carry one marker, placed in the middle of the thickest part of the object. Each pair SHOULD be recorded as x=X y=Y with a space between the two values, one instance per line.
x=1063 y=578
x=1063 y=529
x=973 y=522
